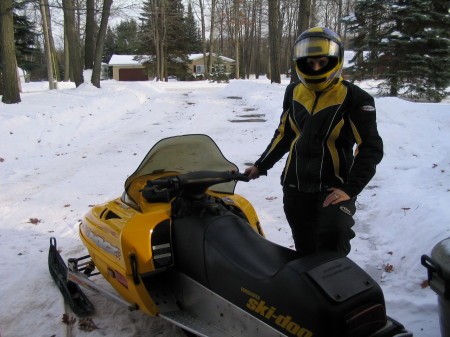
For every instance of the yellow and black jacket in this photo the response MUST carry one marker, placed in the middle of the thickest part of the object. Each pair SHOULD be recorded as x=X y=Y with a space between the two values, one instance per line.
x=319 y=131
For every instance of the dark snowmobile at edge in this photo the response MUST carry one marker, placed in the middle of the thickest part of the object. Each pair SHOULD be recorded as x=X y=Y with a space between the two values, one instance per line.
x=179 y=244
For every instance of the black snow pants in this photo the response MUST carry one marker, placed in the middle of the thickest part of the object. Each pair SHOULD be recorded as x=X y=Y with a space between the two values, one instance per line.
x=316 y=228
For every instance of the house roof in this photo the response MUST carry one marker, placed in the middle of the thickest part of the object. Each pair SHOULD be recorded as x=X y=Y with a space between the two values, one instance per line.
x=194 y=57
x=127 y=60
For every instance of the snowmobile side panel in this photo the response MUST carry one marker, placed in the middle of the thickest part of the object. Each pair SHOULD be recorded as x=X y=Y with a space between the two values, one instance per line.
x=120 y=278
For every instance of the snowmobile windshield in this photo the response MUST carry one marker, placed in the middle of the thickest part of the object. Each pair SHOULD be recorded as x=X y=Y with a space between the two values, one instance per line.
x=185 y=154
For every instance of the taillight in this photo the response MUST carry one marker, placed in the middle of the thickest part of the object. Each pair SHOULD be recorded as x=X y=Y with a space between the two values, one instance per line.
x=365 y=321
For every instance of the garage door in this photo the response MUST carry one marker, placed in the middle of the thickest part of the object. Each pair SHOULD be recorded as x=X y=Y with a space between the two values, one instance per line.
x=132 y=74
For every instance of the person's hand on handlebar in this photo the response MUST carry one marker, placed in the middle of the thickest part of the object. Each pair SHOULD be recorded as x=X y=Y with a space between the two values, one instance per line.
x=252 y=172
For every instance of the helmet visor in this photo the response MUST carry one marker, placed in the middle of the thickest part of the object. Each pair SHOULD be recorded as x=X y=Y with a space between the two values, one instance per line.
x=315 y=46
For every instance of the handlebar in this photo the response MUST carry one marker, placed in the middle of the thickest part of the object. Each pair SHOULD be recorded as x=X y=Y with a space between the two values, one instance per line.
x=193 y=183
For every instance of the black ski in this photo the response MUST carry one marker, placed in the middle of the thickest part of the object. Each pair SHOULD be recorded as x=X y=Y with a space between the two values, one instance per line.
x=71 y=291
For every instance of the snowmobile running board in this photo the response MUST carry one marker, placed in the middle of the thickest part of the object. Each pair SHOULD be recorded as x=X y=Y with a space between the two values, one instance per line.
x=191 y=324
x=203 y=312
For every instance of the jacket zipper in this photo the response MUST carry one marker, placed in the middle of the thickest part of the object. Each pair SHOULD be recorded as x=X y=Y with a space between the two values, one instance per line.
x=307 y=169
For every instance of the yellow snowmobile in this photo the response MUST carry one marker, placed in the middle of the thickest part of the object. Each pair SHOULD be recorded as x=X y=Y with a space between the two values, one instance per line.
x=179 y=244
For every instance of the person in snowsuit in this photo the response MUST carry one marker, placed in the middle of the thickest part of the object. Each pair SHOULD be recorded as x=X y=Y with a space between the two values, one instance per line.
x=328 y=128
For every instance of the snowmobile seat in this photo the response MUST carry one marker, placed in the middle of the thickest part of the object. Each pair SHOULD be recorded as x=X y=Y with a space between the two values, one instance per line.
x=238 y=244
x=233 y=238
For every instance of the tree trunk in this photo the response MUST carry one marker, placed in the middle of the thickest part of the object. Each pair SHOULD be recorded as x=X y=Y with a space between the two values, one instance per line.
x=159 y=13
x=158 y=54
x=156 y=23
x=236 y=38
x=339 y=25
x=74 y=42
x=202 y=19
x=211 y=35
x=56 y=73
x=163 y=39
x=304 y=19
x=313 y=9
x=11 y=92
x=166 y=66
x=259 y=47
x=48 y=50
x=274 y=41
x=100 y=43
x=67 y=69
x=304 y=15
x=89 y=41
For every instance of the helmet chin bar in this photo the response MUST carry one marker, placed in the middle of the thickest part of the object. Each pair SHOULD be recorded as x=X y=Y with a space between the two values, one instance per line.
x=320 y=83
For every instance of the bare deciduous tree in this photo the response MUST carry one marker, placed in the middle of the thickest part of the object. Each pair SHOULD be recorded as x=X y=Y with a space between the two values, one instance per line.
x=47 y=45
x=211 y=34
x=100 y=43
x=11 y=92
x=73 y=39
x=274 y=41
x=201 y=6
x=236 y=26
x=89 y=40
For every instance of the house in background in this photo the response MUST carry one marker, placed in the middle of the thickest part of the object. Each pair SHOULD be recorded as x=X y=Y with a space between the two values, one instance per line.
x=197 y=66
x=129 y=68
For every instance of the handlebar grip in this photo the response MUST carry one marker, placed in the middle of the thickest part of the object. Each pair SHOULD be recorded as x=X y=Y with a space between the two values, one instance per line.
x=241 y=176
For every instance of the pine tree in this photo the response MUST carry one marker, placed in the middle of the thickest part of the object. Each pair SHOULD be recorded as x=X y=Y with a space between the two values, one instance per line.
x=439 y=40
x=29 y=56
x=25 y=37
x=178 y=44
x=127 y=38
x=407 y=46
x=164 y=34
x=367 y=24
x=110 y=45
x=219 y=74
x=192 y=32
x=420 y=41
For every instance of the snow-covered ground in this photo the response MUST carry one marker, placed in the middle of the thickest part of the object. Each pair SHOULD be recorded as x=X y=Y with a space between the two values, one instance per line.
x=64 y=150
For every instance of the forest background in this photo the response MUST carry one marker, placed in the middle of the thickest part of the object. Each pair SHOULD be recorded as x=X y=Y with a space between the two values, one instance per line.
x=404 y=43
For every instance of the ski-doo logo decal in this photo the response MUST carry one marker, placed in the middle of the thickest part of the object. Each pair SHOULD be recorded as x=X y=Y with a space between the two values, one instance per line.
x=100 y=241
x=284 y=321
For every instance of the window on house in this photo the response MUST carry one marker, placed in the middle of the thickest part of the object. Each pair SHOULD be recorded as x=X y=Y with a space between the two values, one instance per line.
x=200 y=68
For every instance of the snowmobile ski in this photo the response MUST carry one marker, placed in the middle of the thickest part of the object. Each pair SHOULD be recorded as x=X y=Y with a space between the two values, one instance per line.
x=71 y=291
